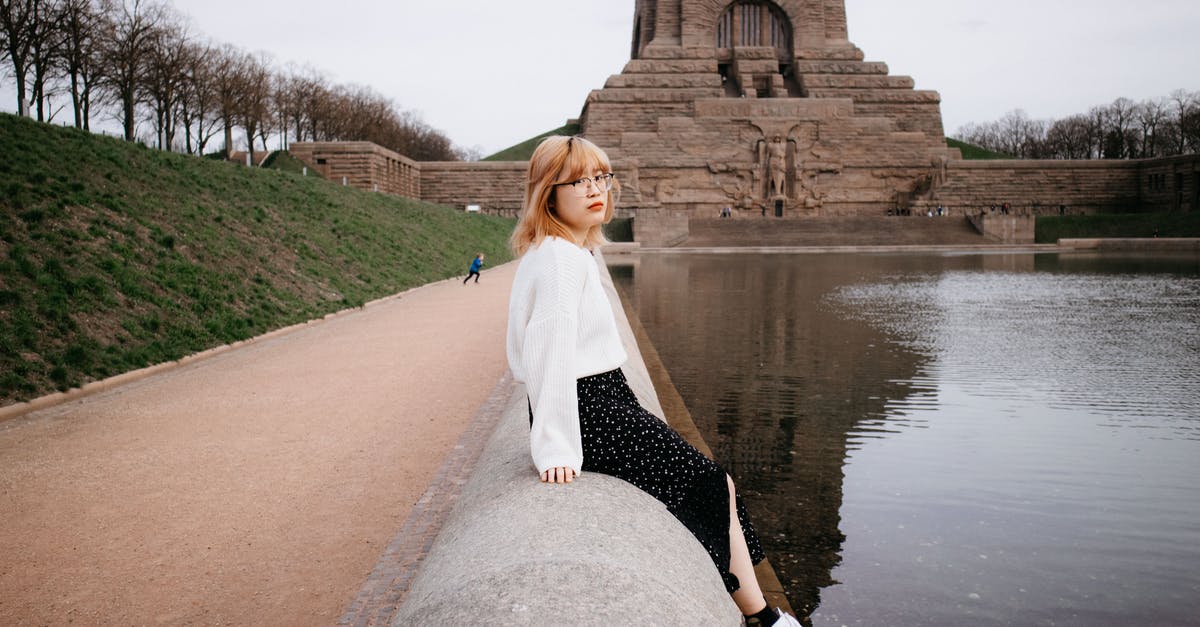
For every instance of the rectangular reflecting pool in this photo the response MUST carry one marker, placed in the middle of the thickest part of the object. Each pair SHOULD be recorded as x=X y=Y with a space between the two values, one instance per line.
x=949 y=439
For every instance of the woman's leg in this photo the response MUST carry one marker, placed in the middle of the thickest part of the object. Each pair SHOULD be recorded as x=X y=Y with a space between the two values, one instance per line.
x=749 y=597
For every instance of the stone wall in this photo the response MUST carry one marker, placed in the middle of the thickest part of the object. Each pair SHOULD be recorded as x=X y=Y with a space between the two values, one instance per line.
x=1041 y=187
x=1030 y=187
x=496 y=186
x=1006 y=229
x=363 y=165
x=1170 y=183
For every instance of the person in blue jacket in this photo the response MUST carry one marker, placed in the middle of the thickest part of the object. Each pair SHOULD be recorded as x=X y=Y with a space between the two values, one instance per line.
x=475 y=266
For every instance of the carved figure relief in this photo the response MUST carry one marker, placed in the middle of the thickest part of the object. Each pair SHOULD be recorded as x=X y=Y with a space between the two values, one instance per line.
x=773 y=165
x=937 y=177
x=777 y=165
x=740 y=190
x=664 y=190
x=631 y=187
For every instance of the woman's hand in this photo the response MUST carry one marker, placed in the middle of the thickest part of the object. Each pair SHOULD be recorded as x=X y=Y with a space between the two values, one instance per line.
x=559 y=474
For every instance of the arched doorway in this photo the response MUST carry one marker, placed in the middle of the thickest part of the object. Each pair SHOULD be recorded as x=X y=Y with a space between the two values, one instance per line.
x=758 y=30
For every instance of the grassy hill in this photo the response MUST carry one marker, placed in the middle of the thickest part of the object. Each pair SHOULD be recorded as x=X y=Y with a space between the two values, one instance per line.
x=114 y=256
x=971 y=151
x=1050 y=229
x=524 y=150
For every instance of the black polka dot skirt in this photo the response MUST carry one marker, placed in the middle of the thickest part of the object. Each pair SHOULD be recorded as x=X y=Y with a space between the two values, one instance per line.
x=622 y=439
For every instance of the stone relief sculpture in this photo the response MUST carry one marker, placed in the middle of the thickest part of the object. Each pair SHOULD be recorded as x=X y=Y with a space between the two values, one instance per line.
x=772 y=162
x=664 y=190
x=937 y=177
x=812 y=158
x=777 y=166
x=631 y=187
x=741 y=191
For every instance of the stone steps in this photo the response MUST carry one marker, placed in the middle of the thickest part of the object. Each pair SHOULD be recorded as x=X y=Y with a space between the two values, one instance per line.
x=832 y=231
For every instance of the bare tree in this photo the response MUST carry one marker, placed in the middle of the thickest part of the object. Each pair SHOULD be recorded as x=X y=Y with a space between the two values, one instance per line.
x=1150 y=114
x=1119 y=120
x=197 y=104
x=1185 y=103
x=1189 y=127
x=126 y=50
x=163 y=84
x=253 y=98
x=16 y=26
x=1018 y=135
x=1069 y=138
x=226 y=78
x=283 y=104
x=307 y=90
x=45 y=48
x=322 y=112
x=1097 y=123
x=79 y=22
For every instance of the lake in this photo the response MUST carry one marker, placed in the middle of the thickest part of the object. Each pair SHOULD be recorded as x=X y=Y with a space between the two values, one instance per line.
x=949 y=439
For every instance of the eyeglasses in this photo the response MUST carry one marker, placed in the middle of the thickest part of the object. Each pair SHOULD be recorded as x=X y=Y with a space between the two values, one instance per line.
x=602 y=183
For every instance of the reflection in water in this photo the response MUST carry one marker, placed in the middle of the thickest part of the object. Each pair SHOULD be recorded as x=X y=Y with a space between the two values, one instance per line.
x=944 y=413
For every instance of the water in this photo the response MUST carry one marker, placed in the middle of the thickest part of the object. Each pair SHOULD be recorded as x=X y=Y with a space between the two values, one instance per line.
x=976 y=439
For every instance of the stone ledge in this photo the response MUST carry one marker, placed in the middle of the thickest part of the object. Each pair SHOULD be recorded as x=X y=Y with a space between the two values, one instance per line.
x=855 y=81
x=879 y=96
x=1138 y=244
x=841 y=67
x=596 y=552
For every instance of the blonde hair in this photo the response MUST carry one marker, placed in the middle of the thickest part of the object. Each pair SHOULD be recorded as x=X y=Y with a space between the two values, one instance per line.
x=558 y=159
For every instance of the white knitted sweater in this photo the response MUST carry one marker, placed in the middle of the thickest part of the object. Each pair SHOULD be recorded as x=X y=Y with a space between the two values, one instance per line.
x=560 y=328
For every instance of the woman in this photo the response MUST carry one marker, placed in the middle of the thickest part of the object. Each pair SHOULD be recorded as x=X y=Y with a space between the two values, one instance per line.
x=563 y=344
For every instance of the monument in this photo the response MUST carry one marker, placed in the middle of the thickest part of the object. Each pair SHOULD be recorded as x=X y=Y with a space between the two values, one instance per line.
x=762 y=105
x=766 y=107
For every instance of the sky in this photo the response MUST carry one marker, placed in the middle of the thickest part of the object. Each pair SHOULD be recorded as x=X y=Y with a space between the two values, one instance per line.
x=491 y=74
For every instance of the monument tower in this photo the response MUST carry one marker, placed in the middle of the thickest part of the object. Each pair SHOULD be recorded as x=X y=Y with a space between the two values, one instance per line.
x=762 y=105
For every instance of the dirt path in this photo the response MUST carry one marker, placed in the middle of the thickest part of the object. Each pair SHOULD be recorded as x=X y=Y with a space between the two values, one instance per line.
x=259 y=486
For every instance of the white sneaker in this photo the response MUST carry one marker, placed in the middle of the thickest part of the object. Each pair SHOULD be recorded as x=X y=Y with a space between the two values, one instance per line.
x=785 y=619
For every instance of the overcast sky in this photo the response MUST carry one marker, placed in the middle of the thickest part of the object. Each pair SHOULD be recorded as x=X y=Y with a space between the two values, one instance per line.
x=490 y=74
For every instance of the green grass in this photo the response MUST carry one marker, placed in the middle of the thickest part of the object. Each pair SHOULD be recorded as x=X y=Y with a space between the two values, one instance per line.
x=284 y=161
x=971 y=151
x=114 y=256
x=1050 y=229
x=524 y=150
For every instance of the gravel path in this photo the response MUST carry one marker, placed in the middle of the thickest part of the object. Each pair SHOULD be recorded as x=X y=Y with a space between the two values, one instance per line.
x=257 y=486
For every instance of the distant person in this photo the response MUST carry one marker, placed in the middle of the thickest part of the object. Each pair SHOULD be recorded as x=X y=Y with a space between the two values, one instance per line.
x=564 y=346
x=475 y=266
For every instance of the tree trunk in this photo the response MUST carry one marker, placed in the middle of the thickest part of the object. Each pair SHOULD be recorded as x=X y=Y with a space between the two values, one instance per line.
x=22 y=104
x=75 y=100
x=127 y=109
x=87 y=108
x=39 y=96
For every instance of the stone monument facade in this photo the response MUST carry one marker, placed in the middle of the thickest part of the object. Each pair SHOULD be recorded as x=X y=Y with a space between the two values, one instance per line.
x=762 y=106
x=766 y=107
